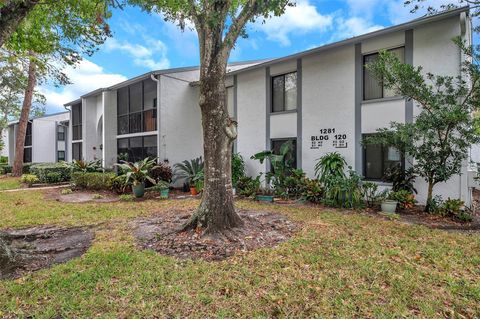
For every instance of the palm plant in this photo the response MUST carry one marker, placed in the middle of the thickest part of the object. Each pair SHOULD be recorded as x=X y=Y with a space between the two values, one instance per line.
x=136 y=173
x=187 y=170
x=330 y=167
x=86 y=167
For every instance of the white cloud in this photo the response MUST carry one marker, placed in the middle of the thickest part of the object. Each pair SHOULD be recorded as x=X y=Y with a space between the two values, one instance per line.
x=152 y=57
x=86 y=77
x=301 y=19
x=347 y=28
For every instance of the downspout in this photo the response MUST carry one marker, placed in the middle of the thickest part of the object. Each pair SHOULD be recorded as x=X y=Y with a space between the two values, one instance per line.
x=159 y=132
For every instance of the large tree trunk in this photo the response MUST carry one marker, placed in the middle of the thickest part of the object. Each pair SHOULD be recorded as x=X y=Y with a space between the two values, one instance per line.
x=428 y=207
x=11 y=15
x=23 y=122
x=216 y=211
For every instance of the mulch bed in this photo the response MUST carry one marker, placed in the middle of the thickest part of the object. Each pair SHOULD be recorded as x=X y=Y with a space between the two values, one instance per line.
x=36 y=248
x=161 y=233
x=81 y=196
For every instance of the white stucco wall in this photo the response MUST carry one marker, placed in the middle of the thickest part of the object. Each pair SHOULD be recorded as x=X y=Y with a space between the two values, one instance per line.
x=5 y=140
x=44 y=139
x=109 y=119
x=92 y=139
x=328 y=102
x=251 y=99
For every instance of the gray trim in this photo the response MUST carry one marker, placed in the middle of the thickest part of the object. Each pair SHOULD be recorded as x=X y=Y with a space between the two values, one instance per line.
x=409 y=60
x=299 y=113
x=56 y=141
x=383 y=99
x=358 y=108
x=284 y=112
x=400 y=27
x=268 y=102
x=235 y=110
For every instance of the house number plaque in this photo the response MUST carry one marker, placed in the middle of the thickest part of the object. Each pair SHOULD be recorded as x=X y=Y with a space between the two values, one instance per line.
x=328 y=135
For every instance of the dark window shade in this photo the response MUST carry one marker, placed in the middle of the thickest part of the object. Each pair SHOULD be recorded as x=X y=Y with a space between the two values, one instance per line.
x=28 y=135
x=278 y=85
x=136 y=97
x=77 y=122
x=122 y=101
x=372 y=87
x=77 y=151
x=27 y=155
x=135 y=123
x=61 y=133
x=378 y=158
x=149 y=94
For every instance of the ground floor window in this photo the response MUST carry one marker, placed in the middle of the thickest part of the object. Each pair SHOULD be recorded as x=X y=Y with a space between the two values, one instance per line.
x=77 y=151
x=135 y=149
x=378 y=158
x=27 y=155
x=276 y=145
x=61 y=156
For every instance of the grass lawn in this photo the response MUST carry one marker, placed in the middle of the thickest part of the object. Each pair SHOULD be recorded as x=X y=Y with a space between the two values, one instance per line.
x=9 y=183
x=338 y=266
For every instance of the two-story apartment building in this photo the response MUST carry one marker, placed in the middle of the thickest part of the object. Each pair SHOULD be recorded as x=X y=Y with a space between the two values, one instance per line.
x=323 y=99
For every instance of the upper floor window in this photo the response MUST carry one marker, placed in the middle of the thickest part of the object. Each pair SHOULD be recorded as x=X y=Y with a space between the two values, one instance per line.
x=284 y=92
x=28 y=135
x=372 y=87
x=137 y=107
x=61 y=133
x=77 y=121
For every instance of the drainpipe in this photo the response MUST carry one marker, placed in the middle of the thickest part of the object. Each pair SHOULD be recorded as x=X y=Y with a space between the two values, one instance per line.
x=159 y=132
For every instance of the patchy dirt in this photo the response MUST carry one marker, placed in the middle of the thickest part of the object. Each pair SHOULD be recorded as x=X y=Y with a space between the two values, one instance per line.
x=30 y=249
x=81 y=196
x=261 y=229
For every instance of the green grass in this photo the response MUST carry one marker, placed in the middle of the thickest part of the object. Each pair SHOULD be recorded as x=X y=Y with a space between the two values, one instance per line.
x=9 y=183
x=337 y=266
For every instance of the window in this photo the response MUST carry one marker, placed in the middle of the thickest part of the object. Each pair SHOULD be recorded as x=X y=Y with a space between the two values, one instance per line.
x=372 y=87
x=77 y=121
x=230 y=101
x=284 y=92
x=378 y=158
x=28 y=135
x=61 y=133
x=137 y=107
x=27 y=155
x=276 y=145
x=135 y=149
x=60 y=156
x=77 y=151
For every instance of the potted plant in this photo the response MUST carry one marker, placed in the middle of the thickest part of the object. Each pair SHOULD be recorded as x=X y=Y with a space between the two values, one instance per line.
x=189 y=172
x=137 y=173
x=389 y=203
x=163 y=188
x=265 y=194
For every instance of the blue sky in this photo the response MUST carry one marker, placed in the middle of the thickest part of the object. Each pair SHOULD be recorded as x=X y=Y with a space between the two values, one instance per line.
x=143 y=42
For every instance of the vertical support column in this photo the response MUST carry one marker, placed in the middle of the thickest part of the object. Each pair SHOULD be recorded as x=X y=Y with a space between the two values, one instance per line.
x=358 y=108
x=268 y=105
x=409 y=60
x=299 y=114
x=109 y=128
x=235 y=111
x=55 y=156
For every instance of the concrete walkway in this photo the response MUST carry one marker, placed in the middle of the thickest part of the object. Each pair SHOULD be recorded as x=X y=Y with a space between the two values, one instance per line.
x=33 y=188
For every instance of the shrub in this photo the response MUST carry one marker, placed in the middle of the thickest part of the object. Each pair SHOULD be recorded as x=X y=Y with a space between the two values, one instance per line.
x=248 y=186
x=454 y=208
x=3 y=160
x=5 y=169
x=85 y=166
x=313 y=191
x=405 y=199
x=126 y=197
x=401 y=179
x=238 y=168
x=371 y=194
x=44 y=172
x=161 y=172
x=344 y=192
x=119 y=184
x=187 y=170
x=26 y=168
x=29 y=179
x=93 y=181
x=292 y=185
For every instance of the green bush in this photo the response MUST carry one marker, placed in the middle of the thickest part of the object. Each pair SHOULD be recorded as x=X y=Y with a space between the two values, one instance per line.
x=161 y=172
x=312 y=191
x=292 y=185
x=93 y=181
x=405 y=199
x=3 y=160
x=29 y=179
x=454 y=208
x=248 y=186
x=44 y=172
x=238 y=168
x=5 y=169
x=26 y=168
x=119 y=184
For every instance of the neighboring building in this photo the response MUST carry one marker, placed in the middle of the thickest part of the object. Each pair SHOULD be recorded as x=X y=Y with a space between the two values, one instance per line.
x=45 y=140
x=155 y=114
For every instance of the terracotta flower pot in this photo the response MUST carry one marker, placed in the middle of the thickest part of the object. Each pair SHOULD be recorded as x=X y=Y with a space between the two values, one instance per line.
x=193 y=191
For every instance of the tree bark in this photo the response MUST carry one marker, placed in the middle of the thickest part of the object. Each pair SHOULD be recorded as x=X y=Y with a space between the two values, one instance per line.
x=23 y=122
x=216 y=211
x=11 y=15
x=429 y=197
